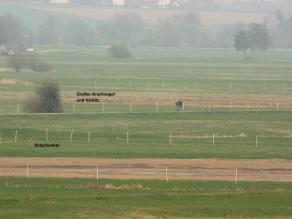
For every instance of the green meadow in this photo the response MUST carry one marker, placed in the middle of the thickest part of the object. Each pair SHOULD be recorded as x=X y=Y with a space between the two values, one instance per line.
x=85 y=198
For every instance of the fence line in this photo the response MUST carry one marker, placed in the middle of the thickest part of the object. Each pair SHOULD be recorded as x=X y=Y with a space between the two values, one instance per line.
x=173 y=138
x=164 y=108
x=166 y=173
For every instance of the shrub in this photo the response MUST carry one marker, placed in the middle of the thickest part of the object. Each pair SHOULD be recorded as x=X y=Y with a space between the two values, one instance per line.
x=46 y=100
x=119 y=51
x=17 y=61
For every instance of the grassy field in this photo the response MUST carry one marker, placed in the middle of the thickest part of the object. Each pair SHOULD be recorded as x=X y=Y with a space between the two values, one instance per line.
x=201 y=78
x=192 y=135
x=76 y=198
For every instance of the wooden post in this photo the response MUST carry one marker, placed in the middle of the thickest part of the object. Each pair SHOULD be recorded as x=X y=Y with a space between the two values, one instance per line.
x=88 y=139
x=27 y=171
x=47 y=135
x=236 y=176
x=97 y=173
x=15 y=137
x=131 y=108
x=130 y=83
x=71 y=135
x=166 y=174
x=127 y=137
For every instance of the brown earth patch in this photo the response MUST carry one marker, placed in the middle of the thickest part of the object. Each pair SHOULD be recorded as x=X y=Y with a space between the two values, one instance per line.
x=277 y=170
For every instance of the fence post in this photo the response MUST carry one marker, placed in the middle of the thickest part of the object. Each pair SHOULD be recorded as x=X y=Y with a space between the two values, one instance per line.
x=97 y=172
x=236 y=176
x=47 y=135
x=213 y=139
x=127 y=137
x=15 y=138
x=71 y=136
x=27 y=171
x=166 y=174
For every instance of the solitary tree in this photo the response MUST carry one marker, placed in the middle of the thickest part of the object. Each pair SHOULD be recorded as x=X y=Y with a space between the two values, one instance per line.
x=254 y=38
x=47 y=99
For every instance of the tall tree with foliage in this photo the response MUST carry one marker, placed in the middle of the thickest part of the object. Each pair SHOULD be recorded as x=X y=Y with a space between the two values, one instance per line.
x=255 y=37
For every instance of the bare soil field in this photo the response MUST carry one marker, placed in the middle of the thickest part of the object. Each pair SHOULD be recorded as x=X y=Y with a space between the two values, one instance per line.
x=275 y=170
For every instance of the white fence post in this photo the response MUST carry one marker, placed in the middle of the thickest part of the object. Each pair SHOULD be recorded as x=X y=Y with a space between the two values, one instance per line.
x=131 y=108
x=97 y=172
x=213 y=139
x=166 y=174
x=127 y=137
x=71 y=135
x=47 y=135
x=15 y=137
x=130 y=83
x=27 y=171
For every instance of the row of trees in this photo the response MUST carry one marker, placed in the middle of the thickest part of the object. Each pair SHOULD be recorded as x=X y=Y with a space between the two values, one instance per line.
x=183 y=29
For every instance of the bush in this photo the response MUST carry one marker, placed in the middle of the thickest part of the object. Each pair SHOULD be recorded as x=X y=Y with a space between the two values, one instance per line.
x=35 y=64
x=119 y=51
x=46 y=100
x=17 y=61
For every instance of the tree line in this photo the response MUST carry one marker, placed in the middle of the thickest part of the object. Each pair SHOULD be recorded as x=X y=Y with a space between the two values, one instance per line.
x=178 y=30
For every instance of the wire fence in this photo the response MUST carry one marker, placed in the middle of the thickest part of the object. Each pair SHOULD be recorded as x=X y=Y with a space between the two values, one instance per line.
x=188 y=106
x=166 y=173
x=65 y=137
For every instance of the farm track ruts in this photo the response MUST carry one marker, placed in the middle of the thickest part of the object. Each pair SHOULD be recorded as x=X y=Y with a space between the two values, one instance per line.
x=276 y=170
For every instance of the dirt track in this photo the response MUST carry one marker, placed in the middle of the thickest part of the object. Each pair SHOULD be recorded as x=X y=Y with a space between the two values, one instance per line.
x=197 y=169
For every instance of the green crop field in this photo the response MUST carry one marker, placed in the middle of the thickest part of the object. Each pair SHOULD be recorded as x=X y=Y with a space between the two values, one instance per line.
x=80 y=198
